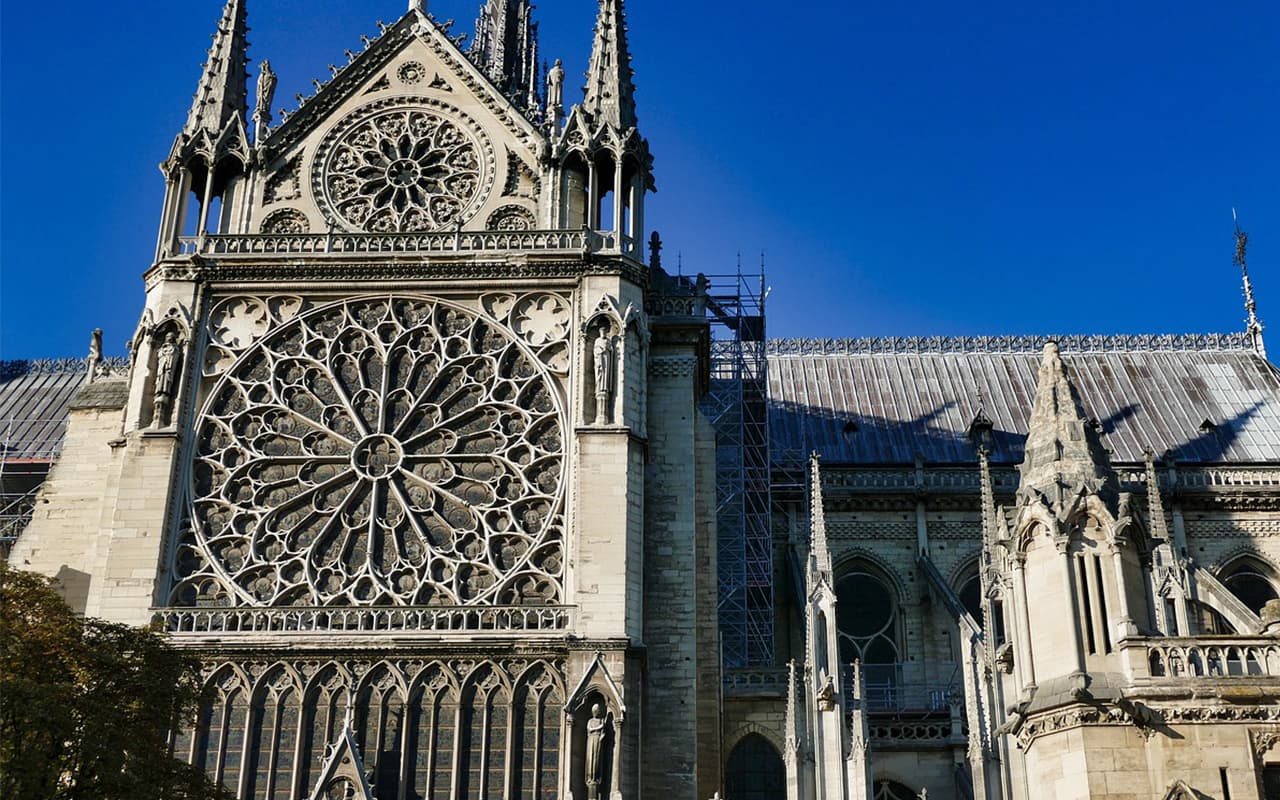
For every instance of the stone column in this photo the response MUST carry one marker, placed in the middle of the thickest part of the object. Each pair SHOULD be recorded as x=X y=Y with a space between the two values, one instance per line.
x=1023 y=663
x=1126 y=626
x=1073 y=599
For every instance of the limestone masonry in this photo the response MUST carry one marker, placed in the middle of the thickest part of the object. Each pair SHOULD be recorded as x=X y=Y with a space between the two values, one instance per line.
x=458 y=494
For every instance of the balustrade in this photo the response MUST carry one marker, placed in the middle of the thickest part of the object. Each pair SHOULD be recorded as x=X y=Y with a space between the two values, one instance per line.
x=494 y=619
x=400 y=243
x=1204 y=657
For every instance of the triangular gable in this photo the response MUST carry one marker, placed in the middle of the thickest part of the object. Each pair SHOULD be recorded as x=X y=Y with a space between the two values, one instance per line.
x=598 y=678
x=1181 y=791
x=363 y=73
x=342 y=776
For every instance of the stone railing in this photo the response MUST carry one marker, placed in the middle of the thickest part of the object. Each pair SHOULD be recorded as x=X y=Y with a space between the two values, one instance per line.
x=1227 y=478
x=770 y=682
x=523 y=620
x=348 y=244
x=907 y=688
x=1202 y=657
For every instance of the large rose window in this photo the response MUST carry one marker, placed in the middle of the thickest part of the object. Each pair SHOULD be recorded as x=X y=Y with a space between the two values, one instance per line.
x=404 y=169
x=378 y=452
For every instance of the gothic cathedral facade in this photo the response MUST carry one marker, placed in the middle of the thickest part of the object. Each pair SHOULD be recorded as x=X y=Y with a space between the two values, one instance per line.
x=414 y=450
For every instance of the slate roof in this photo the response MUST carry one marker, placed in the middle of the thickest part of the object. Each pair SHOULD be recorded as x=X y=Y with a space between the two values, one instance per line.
x=883 y=401
x=34 y=398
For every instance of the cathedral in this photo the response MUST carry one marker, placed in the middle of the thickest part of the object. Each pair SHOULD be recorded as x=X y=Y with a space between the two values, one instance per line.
x=458 y=493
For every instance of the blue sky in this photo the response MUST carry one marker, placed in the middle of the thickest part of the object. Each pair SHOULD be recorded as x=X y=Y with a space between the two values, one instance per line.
x=909 y=168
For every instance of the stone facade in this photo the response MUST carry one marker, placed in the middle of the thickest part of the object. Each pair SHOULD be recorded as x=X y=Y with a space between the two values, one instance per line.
x=412 y=450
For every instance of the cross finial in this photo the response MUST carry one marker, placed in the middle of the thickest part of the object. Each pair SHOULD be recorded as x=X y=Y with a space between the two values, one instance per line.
x=1250 y=304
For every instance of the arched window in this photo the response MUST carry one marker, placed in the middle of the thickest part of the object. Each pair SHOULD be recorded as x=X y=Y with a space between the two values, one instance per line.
x=970 y=593
x=869 y=624
x=755 y=771
x=1252 y=581
x=892 y=790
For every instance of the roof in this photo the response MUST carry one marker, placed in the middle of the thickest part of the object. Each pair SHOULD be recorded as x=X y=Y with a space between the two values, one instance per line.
x=34 y=398
x=885 y=401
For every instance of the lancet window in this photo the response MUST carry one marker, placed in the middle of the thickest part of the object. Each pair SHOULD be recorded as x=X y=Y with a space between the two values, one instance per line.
x=1252 y=581
x=869 y=623
x=755 y=770
x=425 y=733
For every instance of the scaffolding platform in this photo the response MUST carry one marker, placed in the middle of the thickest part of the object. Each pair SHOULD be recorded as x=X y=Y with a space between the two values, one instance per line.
x=737 y=405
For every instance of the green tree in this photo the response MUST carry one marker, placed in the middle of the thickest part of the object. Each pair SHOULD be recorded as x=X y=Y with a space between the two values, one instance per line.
x=86 y=706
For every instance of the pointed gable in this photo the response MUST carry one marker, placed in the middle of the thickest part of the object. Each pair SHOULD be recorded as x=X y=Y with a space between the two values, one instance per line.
x=410 y=137
x=1063 y=449
x=342 y=775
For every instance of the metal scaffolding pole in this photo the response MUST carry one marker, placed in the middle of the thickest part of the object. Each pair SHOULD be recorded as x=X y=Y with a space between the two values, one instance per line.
x=737 y=406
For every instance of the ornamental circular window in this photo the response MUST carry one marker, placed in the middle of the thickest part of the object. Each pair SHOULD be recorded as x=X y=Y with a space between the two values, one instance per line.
x=401 y=167
x=390 y=451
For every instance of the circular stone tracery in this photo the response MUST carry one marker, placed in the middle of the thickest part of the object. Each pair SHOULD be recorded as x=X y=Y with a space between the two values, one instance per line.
x=404 y=169
x=382 y=451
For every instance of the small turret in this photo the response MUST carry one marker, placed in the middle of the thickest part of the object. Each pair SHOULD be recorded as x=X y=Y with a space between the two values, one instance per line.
x=606 y=164
x=212 y=153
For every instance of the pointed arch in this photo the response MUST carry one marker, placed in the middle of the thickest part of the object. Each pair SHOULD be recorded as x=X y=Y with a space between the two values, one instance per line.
x=1251 y=577
x=431 y=724
x=484 y=734
x=379 y=721
x=274 y=727
x=220 y=727
x=537 y=733
x=755 y=770
x=327 y=704
x=869 y=619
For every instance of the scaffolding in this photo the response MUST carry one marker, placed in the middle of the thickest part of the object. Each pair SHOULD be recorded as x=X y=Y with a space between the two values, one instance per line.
x=34 y=401
x=738 y=409
x=28 y=448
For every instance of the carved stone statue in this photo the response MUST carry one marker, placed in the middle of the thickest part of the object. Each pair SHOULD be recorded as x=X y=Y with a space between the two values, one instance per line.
x=267 y=82
x=166 y=378
x=603 y=356
x=555 y=91
x=95 y=355
x=594 y=767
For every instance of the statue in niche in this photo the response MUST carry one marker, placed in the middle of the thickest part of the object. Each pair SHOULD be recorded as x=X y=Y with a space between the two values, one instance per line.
x=166 y=378
x=594 y=767
x=603 y=355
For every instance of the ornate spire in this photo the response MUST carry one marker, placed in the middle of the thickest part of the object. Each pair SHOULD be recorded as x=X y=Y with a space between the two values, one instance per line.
x=610 y=92
x=1254 y=329
x=223 y=94
x=1064 y=455
x=506 y=48
x=818 y=519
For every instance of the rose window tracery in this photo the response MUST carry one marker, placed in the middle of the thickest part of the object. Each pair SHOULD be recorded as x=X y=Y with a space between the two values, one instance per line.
x=405 y=169
x=391 y=451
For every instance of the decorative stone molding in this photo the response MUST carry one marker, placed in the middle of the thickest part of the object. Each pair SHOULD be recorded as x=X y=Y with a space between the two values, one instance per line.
x=1230 y=342
x=673 y=367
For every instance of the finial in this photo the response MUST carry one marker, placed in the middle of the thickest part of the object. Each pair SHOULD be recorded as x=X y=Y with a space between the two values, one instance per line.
x=655 y=251
x=418 y=5
x=1254 y=328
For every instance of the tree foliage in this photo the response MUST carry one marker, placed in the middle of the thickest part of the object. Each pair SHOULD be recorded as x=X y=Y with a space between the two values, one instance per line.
x=87 y=706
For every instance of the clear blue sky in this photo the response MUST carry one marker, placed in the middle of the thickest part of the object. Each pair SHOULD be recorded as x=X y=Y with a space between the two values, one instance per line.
x=910 y=168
